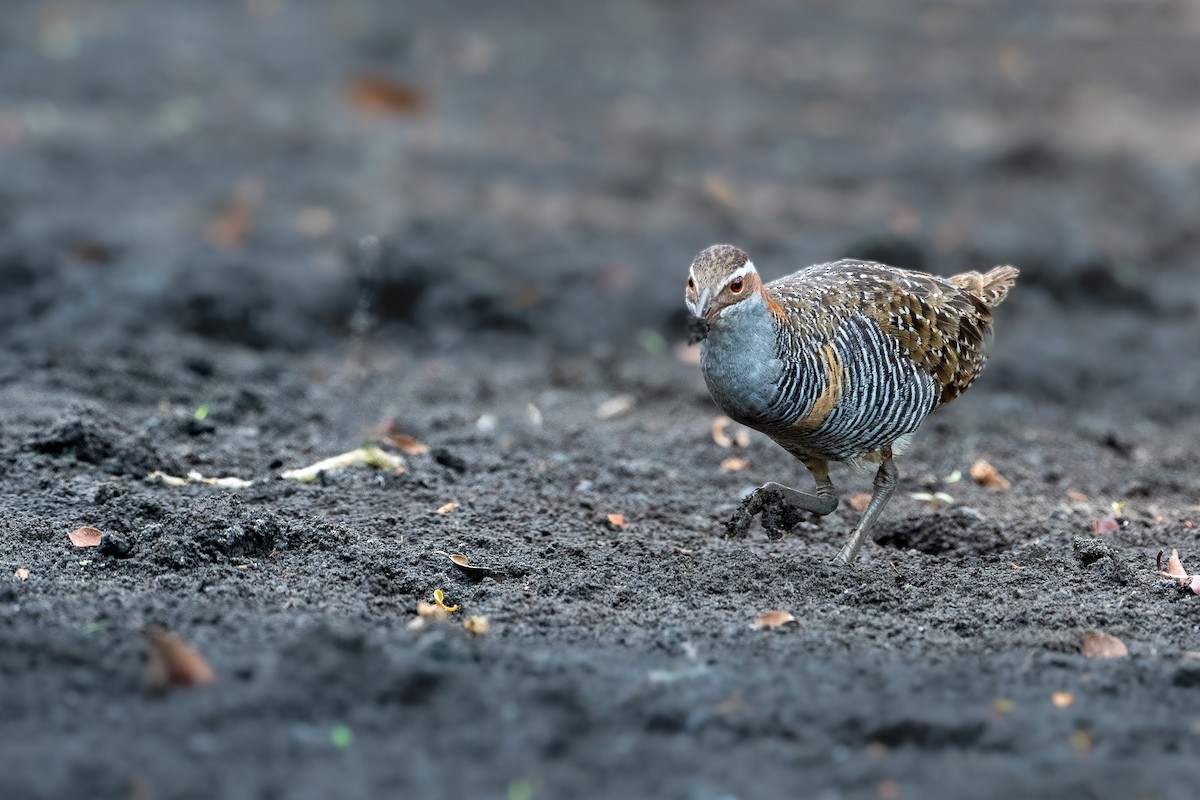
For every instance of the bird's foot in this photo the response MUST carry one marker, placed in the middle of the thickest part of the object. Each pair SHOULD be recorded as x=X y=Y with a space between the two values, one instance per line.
x=780 y=509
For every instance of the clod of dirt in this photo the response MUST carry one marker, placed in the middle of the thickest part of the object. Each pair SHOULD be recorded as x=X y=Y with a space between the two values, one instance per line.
x=85 y=537
x=449 y=460
x=960 y=529
x=1097 y=644
x=173 y=662
x=116 y=545
x=92 y=437
x=213 y=530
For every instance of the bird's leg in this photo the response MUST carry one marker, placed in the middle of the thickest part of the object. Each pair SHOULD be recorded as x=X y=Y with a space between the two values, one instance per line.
x=885 y=484
x=780 y=505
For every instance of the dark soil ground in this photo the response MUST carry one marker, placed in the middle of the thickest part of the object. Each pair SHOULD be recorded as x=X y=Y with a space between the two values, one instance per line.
x=185 y=189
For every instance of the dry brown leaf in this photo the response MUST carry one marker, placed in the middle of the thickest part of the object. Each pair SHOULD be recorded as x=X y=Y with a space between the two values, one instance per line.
x=426 y=610
x=463 y=563
x=377 y=96
x=1097 y=644
x=85 y=537
x=21 y=574
x=773 y=619
x=688 y=354
x=719 y=190
x=173 y=662
x=720 y=434
x=1105 y=525
x=1062 y=699
x=445 y=509
x=1076 y=497
x=734 y=464
x=1174 y=567
x=476 y=625
x=615 y=407
x=985 y=474
x=616 y=520
x=402 y=441
x=860 y=501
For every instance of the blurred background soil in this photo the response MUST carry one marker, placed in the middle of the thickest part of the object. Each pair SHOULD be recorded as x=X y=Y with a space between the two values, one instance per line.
x=239 y=237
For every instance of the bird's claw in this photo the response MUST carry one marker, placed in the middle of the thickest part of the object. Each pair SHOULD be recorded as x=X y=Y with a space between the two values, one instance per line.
x=777 y=515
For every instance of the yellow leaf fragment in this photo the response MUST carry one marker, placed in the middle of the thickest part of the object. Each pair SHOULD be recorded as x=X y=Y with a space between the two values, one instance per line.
x=776 y=618
x=1097 y=644
x=985 y=474
x=440 y=599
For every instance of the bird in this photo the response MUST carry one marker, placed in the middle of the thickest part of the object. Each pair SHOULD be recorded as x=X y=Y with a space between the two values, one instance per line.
x=838 y=362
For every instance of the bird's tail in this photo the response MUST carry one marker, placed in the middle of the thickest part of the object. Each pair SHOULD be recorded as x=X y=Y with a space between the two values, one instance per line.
x=991 y=287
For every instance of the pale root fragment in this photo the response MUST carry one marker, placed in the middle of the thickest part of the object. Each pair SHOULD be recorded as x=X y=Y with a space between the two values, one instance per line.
x=368 y=454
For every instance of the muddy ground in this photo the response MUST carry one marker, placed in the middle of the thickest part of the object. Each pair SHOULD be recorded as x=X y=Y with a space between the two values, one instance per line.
x=185 y=195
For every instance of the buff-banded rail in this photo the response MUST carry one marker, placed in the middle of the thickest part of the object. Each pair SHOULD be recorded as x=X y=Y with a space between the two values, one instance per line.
x=837 y=362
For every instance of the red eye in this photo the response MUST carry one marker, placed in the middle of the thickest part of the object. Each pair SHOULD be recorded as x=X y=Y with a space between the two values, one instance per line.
x=735 y=285
x=691 y=283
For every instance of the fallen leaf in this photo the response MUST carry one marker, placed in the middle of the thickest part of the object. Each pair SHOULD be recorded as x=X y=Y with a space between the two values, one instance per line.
x=688 y=354
x=1062 y=699
x=1076 y=497
x=440 y=599
x=463 y=563
x=377 y=96
x=776 y=618
x=720 y=434
x=1097 y=644
x=173 y=662
x=719 y=190
x=1174 y=567
x=1015 y=566
x=734 y=464
x=1105 y=525
x=476 y=625
x=427 y=610
x=1195 y=584
x=616 y=520
x=615 y=407
x=85 y=537
x=228 y=229
x=402 y=441
x=446 y=509
x=21 y=574
x=315 y=221
x=860 y=501
x=985 y=474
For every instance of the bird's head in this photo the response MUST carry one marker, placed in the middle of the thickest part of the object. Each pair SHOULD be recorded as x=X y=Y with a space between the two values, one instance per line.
x=720 y=277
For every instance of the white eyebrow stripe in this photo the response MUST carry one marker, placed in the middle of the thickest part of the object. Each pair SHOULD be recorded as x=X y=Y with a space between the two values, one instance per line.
x=743 y=272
